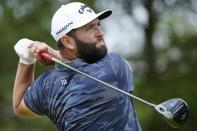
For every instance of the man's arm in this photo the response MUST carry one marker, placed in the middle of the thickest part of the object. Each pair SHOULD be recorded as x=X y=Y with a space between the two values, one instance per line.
x=24 y=78
x=28 y=51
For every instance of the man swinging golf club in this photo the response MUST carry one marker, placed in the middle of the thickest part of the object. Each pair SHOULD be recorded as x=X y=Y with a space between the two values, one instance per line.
x=73 y=101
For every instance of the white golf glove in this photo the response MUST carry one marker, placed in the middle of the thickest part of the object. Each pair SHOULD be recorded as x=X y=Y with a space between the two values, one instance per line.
x=24 y=52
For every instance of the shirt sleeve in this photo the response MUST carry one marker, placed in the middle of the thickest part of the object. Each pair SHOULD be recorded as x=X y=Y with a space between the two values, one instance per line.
x=129 y=74
x=125 y=75
x=34 y=97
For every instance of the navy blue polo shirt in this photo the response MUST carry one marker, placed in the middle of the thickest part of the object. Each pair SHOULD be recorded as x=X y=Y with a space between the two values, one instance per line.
x=75 y=102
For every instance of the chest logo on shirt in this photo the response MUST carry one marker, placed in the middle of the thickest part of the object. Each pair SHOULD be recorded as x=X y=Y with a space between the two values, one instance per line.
x=64 y=82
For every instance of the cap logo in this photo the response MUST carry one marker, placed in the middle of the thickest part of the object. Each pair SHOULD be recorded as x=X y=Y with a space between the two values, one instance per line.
x=83 y=7
x=64 y=28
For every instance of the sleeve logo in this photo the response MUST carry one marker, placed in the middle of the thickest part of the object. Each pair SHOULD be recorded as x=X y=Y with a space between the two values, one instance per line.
x=64 y=82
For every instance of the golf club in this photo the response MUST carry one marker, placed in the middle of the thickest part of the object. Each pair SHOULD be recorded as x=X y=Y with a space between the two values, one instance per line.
x=175 y=111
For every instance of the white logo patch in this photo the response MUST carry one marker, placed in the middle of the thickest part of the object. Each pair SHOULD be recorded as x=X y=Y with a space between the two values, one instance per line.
x=64 y=82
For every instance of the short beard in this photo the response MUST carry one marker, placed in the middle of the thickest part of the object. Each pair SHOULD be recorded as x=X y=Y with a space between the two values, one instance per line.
x=89 y=52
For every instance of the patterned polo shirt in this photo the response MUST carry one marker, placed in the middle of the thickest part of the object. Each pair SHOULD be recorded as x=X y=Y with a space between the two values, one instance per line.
x=74 y=102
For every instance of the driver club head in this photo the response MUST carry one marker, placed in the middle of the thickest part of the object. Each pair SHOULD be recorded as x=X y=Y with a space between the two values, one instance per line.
x=175 y=111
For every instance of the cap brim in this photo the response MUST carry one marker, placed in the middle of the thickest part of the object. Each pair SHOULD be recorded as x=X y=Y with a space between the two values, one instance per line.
x=100 y=16
x=104 y=14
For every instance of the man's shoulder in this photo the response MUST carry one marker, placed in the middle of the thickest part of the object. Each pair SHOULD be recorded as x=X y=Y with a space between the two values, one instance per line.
x=115 y=56
x=47 y=73
x=47 y=76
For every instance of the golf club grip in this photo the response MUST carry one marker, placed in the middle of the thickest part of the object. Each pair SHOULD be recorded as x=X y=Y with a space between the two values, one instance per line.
x=49 y=57
x=45 y=55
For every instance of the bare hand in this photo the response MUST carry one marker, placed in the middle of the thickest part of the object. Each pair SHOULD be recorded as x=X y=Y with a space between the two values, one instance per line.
x=36 y=47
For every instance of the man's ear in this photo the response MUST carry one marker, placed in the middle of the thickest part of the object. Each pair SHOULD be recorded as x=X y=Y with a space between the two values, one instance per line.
x=67 y=42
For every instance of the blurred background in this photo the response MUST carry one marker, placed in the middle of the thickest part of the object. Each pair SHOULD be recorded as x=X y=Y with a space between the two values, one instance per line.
x=157 y=37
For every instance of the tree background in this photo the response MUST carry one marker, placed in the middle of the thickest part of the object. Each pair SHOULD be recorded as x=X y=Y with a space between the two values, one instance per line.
x=157 y=37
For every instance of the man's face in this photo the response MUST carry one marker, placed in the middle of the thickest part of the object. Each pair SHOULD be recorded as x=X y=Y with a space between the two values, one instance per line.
x=89 y=42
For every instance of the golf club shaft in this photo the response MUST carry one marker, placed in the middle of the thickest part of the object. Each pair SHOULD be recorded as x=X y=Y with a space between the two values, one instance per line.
x=49 y=57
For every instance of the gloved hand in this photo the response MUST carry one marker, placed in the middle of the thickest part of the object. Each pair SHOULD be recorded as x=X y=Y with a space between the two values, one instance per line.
x=24 y=52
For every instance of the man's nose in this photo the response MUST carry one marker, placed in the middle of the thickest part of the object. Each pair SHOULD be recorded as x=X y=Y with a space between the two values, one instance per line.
x=99 y=32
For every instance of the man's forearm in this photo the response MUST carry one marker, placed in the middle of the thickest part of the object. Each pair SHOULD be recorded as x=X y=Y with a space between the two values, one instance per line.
x=24 y=78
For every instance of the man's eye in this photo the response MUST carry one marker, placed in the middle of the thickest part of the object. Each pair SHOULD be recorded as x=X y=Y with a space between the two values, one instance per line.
x=89 y=28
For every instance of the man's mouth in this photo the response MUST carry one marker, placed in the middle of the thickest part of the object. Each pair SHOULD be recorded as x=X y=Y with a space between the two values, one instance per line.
x=99 y=42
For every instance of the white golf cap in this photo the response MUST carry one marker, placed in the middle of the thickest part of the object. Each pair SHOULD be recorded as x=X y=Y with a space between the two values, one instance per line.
x=72 y=16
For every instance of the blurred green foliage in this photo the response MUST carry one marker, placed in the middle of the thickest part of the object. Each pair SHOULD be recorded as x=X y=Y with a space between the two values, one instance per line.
x=169 y=71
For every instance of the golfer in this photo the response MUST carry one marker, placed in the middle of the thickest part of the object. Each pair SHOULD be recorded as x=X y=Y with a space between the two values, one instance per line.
x=74 y=102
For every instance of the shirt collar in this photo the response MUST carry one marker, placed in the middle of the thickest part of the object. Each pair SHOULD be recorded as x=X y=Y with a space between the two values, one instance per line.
x=74 y=63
